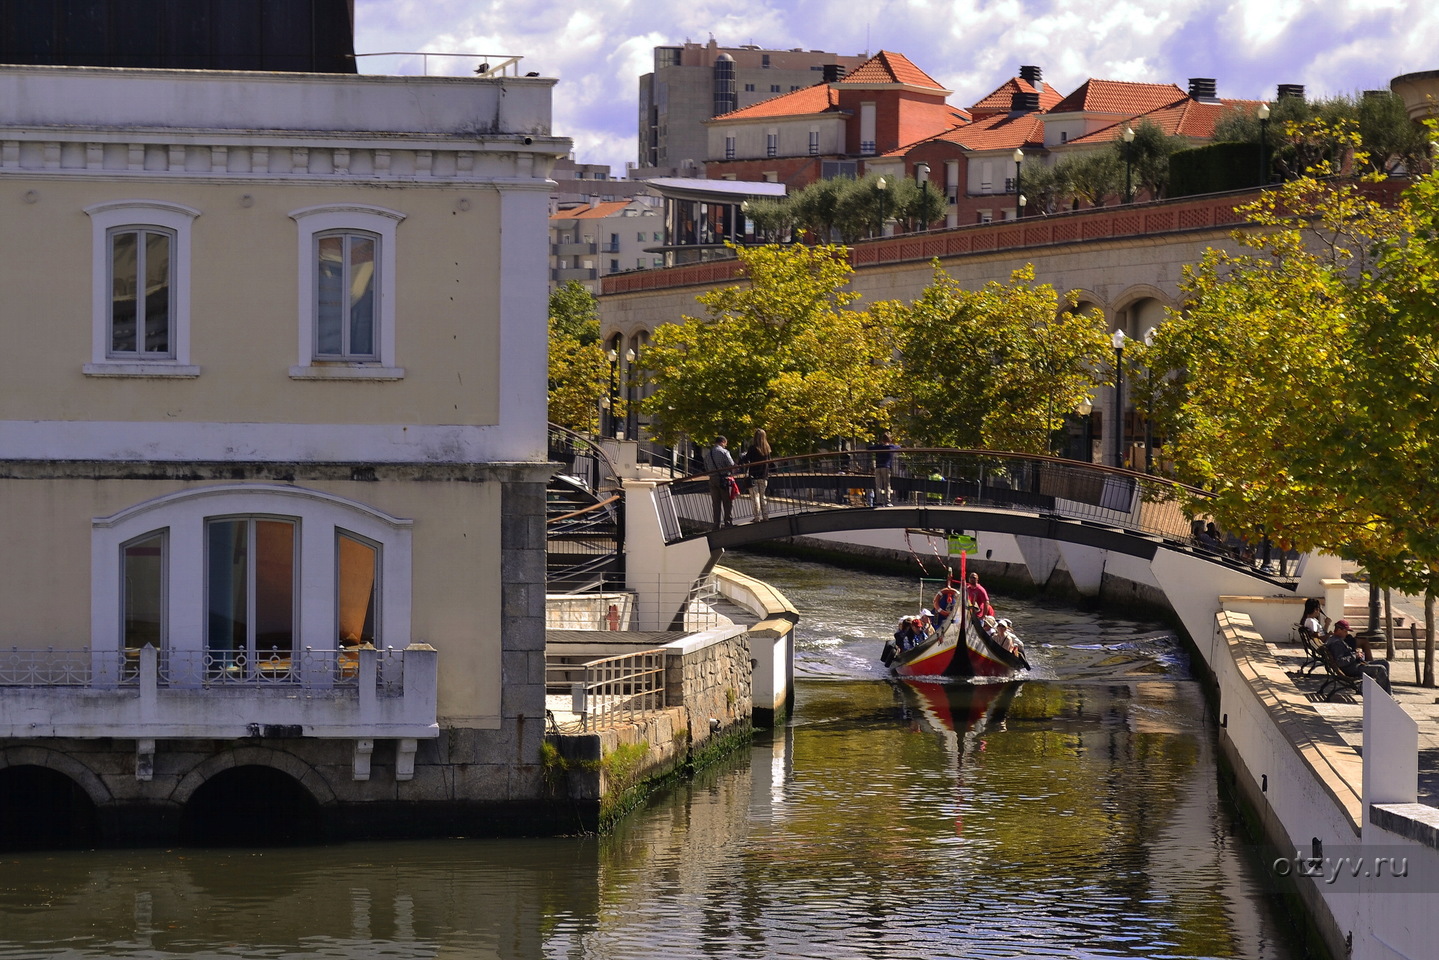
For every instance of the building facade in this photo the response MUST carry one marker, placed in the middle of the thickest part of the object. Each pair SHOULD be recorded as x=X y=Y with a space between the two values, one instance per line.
x=693 y=82
x=598 y=238
x=272 y=446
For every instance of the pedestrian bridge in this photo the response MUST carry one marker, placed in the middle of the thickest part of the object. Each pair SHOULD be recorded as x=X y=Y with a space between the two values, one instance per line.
x=963 y=490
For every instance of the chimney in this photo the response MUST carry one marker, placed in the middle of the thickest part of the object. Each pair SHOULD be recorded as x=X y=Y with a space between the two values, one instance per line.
x=1033 y=76
x=1022 y=102
x=1295 y=90
x=1203 y=89
x=833 y=73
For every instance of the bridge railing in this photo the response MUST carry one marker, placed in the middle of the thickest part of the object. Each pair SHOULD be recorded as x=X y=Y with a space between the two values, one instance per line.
x=1124 y=499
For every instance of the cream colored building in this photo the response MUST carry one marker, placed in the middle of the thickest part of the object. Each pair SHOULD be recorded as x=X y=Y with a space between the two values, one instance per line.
x=320 y=429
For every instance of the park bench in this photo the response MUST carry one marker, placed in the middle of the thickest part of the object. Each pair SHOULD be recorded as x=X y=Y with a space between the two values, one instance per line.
x=1337 y=679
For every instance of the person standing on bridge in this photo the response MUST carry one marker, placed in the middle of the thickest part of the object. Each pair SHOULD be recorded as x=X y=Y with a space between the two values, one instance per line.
x=718 y=463
x=884 y=453
x=756 y=464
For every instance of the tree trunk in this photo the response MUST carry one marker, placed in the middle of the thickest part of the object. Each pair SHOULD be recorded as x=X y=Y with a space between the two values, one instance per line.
x=1429 y=636
x=1388 y=626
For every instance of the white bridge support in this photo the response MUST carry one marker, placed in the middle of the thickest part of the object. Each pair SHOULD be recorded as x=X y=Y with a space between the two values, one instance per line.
x=660 y=577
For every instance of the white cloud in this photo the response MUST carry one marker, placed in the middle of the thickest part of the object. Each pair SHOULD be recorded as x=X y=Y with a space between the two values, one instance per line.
x=600 y=50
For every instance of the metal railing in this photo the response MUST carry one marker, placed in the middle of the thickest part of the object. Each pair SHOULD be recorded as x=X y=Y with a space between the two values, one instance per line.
x=582 y=458
x=311 y=667
x=1137 y=503
x=609 y=690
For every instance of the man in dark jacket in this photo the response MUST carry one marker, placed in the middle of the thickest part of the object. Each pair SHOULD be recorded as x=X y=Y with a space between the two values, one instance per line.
x=1350 y=660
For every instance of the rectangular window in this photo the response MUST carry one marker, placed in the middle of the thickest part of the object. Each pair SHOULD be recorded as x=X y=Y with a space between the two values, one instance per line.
x=356 y=586
x=345 y=296
x=774 y=88
x=749 y=88
x=143 y=592
x=729 y=148
x=640 y=236
x=614 y=266
x=771 y=144
x=814 y=143
x=141 y=299
x=250 y=570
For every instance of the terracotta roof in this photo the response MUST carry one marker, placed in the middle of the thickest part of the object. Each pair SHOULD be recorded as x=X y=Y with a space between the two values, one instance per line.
x=819 y=98
x=998 y=131
x=1184 y=118
x=1003 y=97
x=890 y=67
x=1118 y=96
x=605 y=208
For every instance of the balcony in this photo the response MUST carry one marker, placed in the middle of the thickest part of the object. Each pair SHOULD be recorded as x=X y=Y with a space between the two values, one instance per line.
x=356 y=693
x=566 y=274
x=573 y=249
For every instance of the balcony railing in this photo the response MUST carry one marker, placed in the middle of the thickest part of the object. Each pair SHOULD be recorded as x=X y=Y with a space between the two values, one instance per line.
x=352 y=692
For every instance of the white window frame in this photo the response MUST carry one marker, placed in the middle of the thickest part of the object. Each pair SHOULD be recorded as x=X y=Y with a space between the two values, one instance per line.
x=319 y=517
x=173 y=218
x=347 y=218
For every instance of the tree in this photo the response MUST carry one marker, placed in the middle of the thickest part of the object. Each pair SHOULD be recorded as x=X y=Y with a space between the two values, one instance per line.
x=1146 y=159
x=781 y=352
x=1092 y=177
x=578 y=369
x=998 y=367
x=1306 y=373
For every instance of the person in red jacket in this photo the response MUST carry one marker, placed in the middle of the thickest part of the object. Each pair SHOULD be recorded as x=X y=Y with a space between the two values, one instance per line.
x=977 y=597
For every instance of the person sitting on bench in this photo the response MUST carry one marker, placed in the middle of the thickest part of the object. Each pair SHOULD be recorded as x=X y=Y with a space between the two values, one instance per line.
x=1351 y=661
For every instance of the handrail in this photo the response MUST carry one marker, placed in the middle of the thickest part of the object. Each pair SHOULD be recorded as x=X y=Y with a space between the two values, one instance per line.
x=564 y=441
x=1136 y=503
x=605 y=504
x=614 y=689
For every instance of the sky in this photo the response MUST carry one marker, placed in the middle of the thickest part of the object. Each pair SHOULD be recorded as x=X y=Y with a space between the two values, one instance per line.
x=598 y=49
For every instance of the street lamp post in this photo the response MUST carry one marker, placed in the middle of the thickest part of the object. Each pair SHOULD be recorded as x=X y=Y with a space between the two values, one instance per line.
x=614 y=356
x=1149 y=405
x=881 y=185
x=1128 y=164
x=921 y=171
x=1084 y=410
x=1018 y=183
x=1263 y=143
x=744 y=220
x=632 y=415
x=1023 y=202
x=1118 y=341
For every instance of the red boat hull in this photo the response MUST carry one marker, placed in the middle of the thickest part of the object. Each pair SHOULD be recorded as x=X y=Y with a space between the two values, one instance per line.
x=961 y=651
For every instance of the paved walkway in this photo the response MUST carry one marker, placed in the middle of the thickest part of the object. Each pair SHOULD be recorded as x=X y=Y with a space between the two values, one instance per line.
x=1346 y=712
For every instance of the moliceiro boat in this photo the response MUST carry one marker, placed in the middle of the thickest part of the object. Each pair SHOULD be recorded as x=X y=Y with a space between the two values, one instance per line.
x=959 y=645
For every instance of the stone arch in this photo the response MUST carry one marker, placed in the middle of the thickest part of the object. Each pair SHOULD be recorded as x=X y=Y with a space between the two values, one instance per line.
x=1140 y=307
x=62 y=763
x=1088 y=301
x=245 y=756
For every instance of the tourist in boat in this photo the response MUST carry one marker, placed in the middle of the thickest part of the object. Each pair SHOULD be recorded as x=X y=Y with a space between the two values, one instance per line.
x=945 y=602
x=977 y=597
x=904 y=637
x=924 y=625
x=1005 y=636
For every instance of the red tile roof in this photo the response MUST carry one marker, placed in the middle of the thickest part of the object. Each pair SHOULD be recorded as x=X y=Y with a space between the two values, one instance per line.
x=605 y=208
x=1003 y=97
x=1185 y=118
x=819 y=98
x=998 y=131
x=1118 y=96
x=890 y=67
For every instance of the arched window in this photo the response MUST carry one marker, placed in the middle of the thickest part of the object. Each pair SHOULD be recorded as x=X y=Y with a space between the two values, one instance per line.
x=242 y=573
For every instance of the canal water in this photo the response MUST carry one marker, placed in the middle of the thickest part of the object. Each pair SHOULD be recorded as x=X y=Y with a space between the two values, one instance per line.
x=1074 y=814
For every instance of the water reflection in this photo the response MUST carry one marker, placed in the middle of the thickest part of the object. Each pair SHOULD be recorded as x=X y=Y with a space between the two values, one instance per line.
x=1074 y=814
